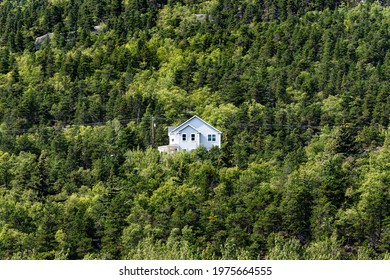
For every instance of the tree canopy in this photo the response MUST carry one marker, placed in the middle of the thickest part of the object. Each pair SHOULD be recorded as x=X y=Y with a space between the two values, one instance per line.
x=300 y=90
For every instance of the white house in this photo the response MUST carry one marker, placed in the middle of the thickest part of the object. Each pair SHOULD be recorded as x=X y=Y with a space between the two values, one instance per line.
x=192 y=134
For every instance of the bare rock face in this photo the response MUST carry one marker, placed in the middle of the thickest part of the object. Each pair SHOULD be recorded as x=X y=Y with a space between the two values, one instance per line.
x=43 y=38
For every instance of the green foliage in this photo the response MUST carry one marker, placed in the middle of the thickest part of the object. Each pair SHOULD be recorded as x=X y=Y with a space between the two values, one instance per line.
x=328 y=249
x=284 y=248
x=298 y=88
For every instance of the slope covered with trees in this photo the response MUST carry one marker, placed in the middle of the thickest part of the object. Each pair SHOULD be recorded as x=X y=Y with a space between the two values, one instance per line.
x=300 y=90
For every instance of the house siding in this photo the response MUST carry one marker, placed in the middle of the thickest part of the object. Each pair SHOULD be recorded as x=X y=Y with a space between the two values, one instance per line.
x=204 y=138
x=189 y=144
x=196 y=126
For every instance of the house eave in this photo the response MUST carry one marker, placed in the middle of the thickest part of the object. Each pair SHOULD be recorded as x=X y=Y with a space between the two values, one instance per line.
x=179 y=128
x=179 y=131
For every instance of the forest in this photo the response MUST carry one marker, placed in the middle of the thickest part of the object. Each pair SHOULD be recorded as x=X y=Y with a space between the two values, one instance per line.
x=299 y=89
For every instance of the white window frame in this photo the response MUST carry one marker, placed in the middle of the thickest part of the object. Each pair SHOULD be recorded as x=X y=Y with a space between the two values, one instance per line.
x=184 y=137
x=211 y=137
x=193 y=137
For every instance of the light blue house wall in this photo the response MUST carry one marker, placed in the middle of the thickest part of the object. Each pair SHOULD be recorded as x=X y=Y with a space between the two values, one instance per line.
x=193 y=133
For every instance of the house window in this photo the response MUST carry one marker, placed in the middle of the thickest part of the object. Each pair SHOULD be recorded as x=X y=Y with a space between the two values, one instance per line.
x=184 y=137
x=173 y=140
x=193 y=137
x=211 y=138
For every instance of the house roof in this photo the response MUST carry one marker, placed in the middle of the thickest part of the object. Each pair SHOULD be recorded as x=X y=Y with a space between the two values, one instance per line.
x=185 y=126
x=170 y=128
x=186 y=123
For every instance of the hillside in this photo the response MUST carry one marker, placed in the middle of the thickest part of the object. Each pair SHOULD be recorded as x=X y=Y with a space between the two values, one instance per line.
x=300 y=90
